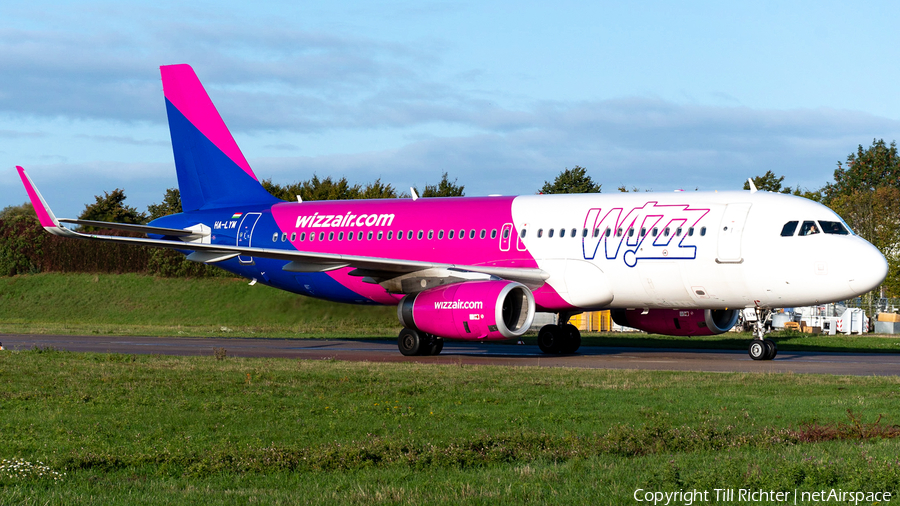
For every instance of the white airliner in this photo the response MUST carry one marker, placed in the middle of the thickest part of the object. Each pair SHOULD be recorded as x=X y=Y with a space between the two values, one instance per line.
x=478 y=268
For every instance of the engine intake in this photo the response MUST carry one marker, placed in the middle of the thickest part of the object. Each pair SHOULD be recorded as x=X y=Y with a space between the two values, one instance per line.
x=678 y=322
x=470 y=310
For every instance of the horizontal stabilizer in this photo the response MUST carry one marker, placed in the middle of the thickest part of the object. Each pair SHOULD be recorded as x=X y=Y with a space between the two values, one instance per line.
x=141 y=229
x=211 y=257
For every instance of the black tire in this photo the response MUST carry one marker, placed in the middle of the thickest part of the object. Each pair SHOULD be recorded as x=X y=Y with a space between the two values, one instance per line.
x=550 y=339
x=771 y=349
x=758 y=349
x=435 y=347
x=573 y=341
x=410 y=342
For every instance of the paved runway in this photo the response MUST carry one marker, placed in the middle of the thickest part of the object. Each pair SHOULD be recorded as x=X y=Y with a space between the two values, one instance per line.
x=860 y=364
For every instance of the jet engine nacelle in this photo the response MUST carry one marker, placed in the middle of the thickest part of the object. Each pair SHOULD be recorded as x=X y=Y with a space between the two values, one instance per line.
x=470 y=310
x=678 y=322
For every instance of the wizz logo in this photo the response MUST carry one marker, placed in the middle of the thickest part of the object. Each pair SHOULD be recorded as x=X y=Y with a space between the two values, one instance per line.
x=651 y=231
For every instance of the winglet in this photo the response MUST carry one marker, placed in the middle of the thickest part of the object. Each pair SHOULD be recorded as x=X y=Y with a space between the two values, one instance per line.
x=44 y=214
x=752 y=186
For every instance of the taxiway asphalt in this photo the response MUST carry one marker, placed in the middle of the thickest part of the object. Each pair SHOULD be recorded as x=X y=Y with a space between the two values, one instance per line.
x=376 y=350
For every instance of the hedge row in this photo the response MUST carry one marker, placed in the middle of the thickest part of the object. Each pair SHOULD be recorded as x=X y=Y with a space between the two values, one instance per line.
x=25 y=248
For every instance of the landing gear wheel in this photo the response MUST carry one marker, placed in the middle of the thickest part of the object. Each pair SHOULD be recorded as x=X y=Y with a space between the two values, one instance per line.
x=758 y=349
x=550 y=339
x=771 y=349
x=573 y=341
x=410 y=342
x=434 y=347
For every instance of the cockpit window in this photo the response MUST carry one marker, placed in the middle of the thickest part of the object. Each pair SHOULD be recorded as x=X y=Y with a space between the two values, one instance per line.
x=834 y=227
x=809 y=228
x=789 y=228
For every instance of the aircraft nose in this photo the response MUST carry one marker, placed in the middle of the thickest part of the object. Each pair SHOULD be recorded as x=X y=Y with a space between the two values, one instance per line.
x=869 y=270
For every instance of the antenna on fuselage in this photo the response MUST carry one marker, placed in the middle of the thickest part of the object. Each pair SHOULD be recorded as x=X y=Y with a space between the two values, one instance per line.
x=412 y=191
x=752 y=186
x=299 y=199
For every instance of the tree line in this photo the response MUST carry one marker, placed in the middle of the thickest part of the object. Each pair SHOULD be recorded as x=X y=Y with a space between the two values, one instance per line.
x=865 y=192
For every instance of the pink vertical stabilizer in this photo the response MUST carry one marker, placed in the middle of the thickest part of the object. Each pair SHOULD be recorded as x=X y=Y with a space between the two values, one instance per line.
x=183 y=89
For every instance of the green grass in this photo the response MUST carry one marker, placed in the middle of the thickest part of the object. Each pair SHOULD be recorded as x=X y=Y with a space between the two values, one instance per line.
x=150 y=429
x=129 y=304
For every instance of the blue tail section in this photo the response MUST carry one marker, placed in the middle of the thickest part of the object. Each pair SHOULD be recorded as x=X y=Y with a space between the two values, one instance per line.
x=212 y=171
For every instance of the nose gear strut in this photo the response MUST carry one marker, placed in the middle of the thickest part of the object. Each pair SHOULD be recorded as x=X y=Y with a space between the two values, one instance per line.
x=762 y=348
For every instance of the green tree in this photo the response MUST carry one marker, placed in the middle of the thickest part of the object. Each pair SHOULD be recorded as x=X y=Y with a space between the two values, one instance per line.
x=378 y=190
x=769 y=182
x=171 y=204
x=866 y=193
x=443 y=189
x=315 y=189
x=574 y=180
x=867 y=169
x=111 y=207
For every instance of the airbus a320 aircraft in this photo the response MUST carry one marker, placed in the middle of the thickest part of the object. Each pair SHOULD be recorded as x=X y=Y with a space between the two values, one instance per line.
x=478 y=268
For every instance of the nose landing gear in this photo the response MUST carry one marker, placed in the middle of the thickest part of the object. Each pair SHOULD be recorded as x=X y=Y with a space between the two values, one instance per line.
x=762 y=348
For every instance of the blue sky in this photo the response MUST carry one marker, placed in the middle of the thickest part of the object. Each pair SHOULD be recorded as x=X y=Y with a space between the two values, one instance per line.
x=501 y=95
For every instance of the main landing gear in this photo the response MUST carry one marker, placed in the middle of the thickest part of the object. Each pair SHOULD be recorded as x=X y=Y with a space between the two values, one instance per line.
x=762 y=348
x=559 y=339
x=414 y=342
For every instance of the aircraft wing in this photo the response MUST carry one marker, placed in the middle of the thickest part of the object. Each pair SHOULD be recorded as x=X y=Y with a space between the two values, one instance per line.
x=299 y=261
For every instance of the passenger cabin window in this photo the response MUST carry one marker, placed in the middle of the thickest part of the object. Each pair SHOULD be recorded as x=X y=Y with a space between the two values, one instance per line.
x=540 y=232
x=789 y=228
x=550 y=232
x=809 y=228
x=409 y=235
x=330 y=236
x=450 y=234
x=430 y=235
x=293 y=236
x=574 y=232
x=420 y=234
x=494 y=233
x=608 y=231
x=702 y=231
x=390 y=234
x=359 y=236
x=440 y=234
x=472 y=234
x=834 y=227
x=380 y=235
x=369 y=236
x=597 y=232
x=283 y=237
x=562 y=232
x=523 y=233
x=482 y=234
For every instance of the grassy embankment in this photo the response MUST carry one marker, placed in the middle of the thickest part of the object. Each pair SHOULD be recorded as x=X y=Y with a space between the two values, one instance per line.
x=155 y=430
x=143 y=305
